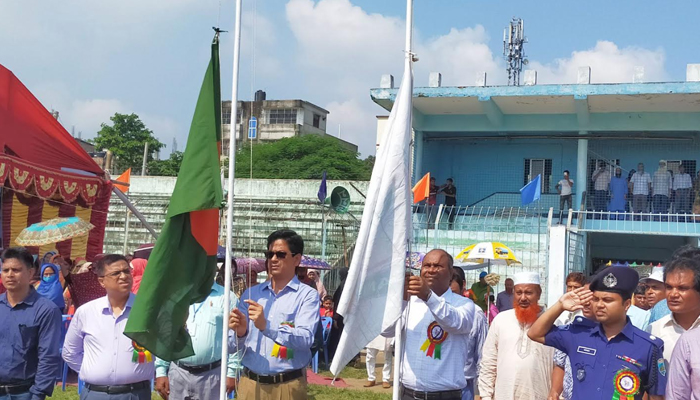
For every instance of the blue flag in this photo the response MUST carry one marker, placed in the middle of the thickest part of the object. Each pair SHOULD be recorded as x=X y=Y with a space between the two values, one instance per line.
x=322 y=190
x=532 y=191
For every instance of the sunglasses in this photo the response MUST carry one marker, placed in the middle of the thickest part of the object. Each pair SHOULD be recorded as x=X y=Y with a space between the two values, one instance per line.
x=281 y=255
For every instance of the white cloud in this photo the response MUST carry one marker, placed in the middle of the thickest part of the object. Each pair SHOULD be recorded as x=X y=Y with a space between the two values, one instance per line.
x=354 y=117
x=346 y=50
x=608 y=62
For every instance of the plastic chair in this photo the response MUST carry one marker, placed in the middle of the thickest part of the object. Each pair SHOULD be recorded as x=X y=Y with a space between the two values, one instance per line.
x=66 y=323
x=326 y=322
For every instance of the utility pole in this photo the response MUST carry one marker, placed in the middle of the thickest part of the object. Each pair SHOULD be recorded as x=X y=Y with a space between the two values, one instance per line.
x=145 y=159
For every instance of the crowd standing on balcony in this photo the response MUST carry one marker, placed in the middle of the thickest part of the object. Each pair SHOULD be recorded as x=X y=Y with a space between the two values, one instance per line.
x=661 y=193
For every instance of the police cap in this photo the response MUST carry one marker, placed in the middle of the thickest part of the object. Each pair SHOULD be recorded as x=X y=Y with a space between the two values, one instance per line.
x=622 y=280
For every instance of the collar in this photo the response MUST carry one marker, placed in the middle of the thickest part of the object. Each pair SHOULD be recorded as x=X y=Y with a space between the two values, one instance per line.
x=671 y=320
x=293 y=285
x=29 y=300
x=108 y=307
x=627 y=331
x=217 y=289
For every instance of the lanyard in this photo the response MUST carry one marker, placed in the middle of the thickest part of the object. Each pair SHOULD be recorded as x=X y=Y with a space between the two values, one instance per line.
x=196 y=310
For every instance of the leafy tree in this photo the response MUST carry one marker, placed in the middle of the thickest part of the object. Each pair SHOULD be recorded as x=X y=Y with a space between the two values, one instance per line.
x=169 y=167
x=126 y=138
x=369 y=162
x=302 y=157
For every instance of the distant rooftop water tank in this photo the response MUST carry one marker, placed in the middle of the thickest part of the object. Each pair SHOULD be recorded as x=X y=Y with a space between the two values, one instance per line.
x=260 y=95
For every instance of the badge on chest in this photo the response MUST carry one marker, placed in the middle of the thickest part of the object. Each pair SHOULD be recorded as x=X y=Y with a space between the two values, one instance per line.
x=433 y=344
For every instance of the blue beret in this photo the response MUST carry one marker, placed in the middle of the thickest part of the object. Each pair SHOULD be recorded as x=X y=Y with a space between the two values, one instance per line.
x=482 y=274
x=621 y=280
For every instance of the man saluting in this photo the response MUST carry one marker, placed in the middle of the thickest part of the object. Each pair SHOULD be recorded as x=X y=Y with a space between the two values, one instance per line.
x=611 y=359
x=275 y=326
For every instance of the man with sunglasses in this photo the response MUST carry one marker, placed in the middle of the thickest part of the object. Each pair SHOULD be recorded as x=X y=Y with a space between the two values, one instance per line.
x=275 y=324
x=111 y=365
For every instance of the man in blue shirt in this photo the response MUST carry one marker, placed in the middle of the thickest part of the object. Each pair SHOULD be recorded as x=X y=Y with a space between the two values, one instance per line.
x=30 y=332
x=611 y=359
x=199 y=377
x=275 y=324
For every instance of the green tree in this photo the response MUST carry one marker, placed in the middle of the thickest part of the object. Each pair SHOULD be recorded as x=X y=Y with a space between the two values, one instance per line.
x=126 y=138
x=169 y=167
x=303 y=157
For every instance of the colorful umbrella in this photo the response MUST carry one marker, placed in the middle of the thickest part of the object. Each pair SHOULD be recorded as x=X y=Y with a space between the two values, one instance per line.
x=249 y=264
x=414 y=260
x=144 y=251
x=488 y=252
x=314 y=263
x=53 y=231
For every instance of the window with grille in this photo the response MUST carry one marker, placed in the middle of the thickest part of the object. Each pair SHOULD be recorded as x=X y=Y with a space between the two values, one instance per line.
x=226 y=116
x=538 y=166
x=282 y=116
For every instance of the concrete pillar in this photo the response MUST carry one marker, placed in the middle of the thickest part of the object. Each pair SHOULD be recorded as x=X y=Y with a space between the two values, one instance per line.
x=387 y=82
x=556 y=264
x=581 y=169
x=418 y=155
x=481 y=78
x=530 y=77
x=692 y=73
x=435 y=79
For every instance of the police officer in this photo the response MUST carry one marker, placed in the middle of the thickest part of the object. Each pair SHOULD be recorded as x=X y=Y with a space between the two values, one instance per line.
x=610 y=359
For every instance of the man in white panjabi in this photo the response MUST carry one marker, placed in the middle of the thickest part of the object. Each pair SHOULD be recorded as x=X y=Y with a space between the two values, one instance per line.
x=380 y=343
x=512 y=365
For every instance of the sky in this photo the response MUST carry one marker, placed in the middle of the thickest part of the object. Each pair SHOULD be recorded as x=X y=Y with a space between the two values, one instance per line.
x=88 y=59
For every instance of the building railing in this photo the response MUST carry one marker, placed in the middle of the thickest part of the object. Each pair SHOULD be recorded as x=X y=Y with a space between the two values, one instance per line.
x=643 y=223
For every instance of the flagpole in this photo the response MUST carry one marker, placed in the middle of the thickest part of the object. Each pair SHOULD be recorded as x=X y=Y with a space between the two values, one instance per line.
x=398 y=337
x=229 y=203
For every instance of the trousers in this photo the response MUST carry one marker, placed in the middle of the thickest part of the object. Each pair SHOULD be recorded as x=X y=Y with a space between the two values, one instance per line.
x=371 y=361
x=295 y=389
x=187 y=386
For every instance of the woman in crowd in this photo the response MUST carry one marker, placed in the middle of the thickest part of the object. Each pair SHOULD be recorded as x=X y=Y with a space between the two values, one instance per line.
x=313 y=275
x=138 y=267
x=50 y=285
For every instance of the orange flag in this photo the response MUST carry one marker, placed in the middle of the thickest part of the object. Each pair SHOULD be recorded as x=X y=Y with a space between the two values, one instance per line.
x=421 y=190
x=124 y=178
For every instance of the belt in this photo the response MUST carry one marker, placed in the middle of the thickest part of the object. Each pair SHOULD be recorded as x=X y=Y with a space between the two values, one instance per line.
x=15 y=389
x=119 y=389
x=273 y=379
x=444 y=395
x=198 y=369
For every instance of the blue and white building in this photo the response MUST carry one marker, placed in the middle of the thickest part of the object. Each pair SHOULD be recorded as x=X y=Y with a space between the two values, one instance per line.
x=492 y=140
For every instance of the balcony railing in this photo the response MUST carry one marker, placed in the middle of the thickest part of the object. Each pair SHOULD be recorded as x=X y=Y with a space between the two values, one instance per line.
x=642 y=223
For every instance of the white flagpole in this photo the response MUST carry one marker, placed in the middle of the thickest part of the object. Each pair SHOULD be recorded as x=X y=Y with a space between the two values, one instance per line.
x=229 y=203
x=398 y=337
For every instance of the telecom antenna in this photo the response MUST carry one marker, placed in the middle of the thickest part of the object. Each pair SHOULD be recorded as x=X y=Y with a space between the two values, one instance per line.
x=514 y=50
x=174 y=147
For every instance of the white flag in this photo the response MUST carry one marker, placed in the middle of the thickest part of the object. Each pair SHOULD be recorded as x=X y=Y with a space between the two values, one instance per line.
x=372 y=298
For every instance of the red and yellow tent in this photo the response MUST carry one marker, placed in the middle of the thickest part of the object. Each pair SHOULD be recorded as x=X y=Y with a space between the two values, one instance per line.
x=45 y=173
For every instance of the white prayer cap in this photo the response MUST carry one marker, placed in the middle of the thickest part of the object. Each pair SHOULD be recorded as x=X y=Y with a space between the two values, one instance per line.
x=657 y=274
x=526 y=278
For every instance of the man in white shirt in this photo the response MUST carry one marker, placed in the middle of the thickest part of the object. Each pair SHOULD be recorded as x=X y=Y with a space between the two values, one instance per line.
x=438 y=323
x=477 y=337
x=661 y=188
x=564 y=188
x=601 y=181
x=682 y=278
x=682 y=186
x=512 y=365
x=640 y=184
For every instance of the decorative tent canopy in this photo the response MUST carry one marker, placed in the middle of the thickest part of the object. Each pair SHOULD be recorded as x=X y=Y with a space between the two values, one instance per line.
x=45 y=173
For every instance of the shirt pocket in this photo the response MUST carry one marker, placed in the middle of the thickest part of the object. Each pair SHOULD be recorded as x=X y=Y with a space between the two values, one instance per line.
x=29 y=336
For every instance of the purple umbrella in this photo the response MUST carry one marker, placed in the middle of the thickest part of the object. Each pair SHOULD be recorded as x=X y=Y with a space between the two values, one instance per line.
x=414 y=260
x=249 y=264
x=313 y=263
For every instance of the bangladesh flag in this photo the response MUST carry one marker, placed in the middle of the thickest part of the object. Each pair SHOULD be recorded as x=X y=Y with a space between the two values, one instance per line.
x=182 y=266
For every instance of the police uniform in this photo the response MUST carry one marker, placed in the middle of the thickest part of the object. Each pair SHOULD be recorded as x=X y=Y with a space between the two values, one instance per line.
x=623 y=368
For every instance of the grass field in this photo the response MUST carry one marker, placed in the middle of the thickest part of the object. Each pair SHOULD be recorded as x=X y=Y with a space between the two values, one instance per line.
x=315 y=393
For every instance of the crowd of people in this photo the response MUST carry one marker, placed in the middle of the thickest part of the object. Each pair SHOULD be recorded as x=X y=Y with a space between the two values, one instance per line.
x=610 y=334
x=663 y=192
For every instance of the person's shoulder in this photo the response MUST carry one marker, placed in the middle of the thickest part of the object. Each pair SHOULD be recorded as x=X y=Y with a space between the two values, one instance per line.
x=648 y=338
x=503 y=316
x=91 y=305
x=44 y=305
x=658 y=325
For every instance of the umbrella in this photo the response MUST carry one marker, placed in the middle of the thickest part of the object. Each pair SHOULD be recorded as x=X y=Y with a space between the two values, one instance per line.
x=144 y=251
x=249 y=264
x=53 y=231
x=313 y=263
x=490 y=253
x=414 y=260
